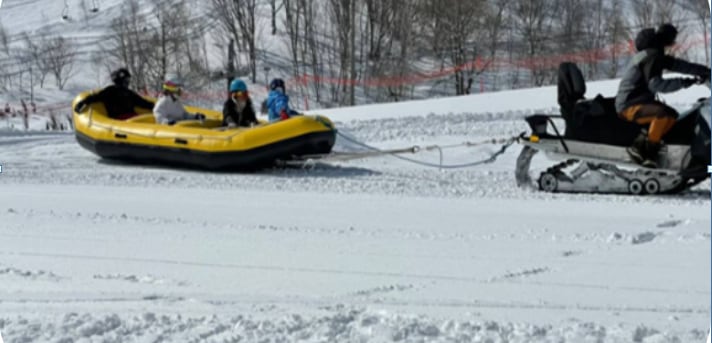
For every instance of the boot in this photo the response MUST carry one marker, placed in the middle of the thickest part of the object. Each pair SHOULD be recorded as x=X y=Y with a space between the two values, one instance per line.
x=637 y=150
x=651 y=154
x=644 y=152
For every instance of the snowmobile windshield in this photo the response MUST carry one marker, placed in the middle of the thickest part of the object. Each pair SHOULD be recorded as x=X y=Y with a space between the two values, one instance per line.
x=702 y=107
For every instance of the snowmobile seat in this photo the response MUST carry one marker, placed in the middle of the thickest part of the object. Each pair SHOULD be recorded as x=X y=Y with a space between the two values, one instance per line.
x=590 y=120
x=597 y=121
x=571 y=87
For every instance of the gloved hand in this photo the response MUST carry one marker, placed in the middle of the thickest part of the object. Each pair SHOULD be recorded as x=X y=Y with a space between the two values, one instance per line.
x=688 y=82
x=80 y=107
x=283 y=115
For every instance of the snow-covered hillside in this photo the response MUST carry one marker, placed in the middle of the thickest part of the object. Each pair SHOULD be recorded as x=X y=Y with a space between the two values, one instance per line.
x=89 y=30
x=370 y=250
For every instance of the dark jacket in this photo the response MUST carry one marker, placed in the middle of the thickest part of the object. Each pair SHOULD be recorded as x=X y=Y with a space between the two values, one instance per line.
x=119 y=101
x=643 y=78
x=230 y=115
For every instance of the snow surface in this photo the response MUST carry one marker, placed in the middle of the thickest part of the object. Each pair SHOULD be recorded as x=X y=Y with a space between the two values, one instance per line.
x=369 y=250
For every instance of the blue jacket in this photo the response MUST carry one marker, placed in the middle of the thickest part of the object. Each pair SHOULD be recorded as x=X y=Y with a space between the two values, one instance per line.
x=276 y=103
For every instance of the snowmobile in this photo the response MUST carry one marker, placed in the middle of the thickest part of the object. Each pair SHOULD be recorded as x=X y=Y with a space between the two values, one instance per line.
x=592 y=148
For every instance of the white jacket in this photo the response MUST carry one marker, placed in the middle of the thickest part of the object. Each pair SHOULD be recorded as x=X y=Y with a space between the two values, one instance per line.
x=168 y=109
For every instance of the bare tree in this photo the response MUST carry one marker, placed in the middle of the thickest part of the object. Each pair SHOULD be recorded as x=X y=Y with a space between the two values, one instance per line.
x=34 y=54
x=667 y=11
x=380 y=15
x=237 y=18
x=344 y=13
x=590 y=21
x=644 y=12
x=407 y=39
x=308 y=47
x=293 y=23
x=457 y=27
x=494 y=26
x=4 y=39
x=534 y=19
x=60 y=57
x=700 y=9
x=615 y=33
x=169 y=31
x=275 y=9
x=379 y=28
x=168 y=41
x=128 y=45
x=245 y=15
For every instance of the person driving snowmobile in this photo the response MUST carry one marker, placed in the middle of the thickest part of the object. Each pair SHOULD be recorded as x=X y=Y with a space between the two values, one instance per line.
x=636 y=99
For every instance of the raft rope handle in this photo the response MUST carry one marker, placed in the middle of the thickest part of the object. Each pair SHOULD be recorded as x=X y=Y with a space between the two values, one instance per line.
x=506 y=143
x=155 y=134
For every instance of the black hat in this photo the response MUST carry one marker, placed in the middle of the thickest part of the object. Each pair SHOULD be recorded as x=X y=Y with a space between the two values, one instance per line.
x=276 y=83
x=120 y=76
x=645 y=39
x=666 y=34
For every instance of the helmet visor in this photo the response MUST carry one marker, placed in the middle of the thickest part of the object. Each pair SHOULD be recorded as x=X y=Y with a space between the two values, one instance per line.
x=172 y=88
x=239 y=95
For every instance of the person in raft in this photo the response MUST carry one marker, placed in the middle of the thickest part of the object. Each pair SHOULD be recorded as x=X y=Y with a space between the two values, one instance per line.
x=278 y=102
x=237 y=109
x=169 y=109
x=118 y=99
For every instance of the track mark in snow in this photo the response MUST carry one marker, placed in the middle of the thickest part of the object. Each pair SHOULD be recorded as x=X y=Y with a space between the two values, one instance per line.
x=93 y=218
x=383 y=289
x=28 y=274
x=570 y=253
x=643 y=238
x=282 y=269
x=522 y=273
x=673 y=223
x=95 y=301
x=147 y=279
x=635 y=239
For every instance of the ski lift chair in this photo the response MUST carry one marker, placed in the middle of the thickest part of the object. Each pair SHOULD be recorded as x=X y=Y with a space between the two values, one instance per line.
x=65 y=11
x=94 y=6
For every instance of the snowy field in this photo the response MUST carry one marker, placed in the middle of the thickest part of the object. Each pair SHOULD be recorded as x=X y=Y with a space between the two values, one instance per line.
x=370 y=250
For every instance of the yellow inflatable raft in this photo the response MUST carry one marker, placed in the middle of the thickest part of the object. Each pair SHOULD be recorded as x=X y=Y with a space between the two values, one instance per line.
x=200 y=144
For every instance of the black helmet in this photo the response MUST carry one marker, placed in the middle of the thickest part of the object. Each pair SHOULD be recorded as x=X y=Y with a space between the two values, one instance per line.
x=666 y=34
x=276 y=83
x=120 y=77
x=645 y=39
